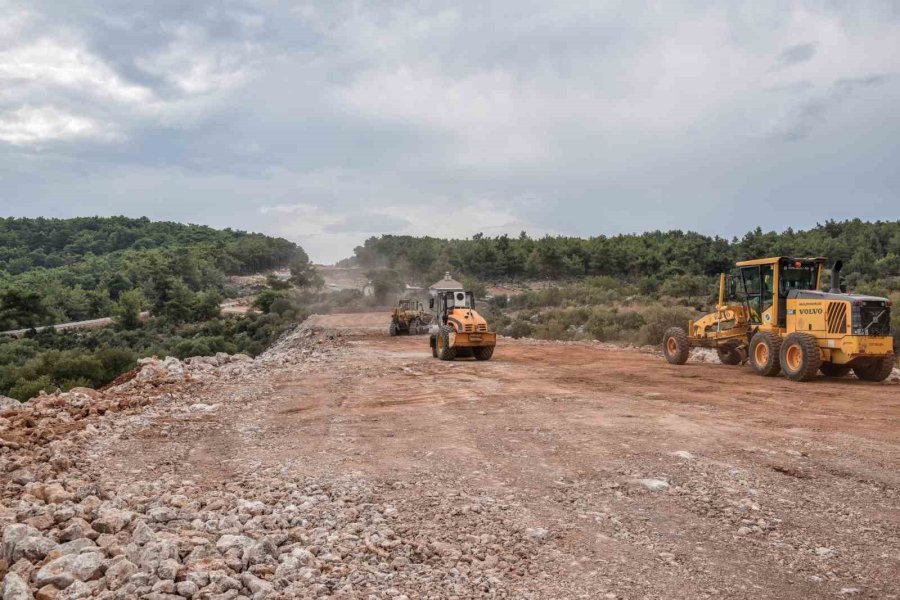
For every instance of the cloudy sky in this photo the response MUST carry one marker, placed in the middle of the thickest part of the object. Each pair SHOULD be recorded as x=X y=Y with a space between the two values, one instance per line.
x=327 y=122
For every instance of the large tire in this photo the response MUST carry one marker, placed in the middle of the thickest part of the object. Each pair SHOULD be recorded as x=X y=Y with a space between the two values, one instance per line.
x=765 y=351
x=675 y=346
x=729 y=353
x=433 y=342
x=878 y=370
x=833 y=370
x=800 y=357
x=483 y=352
x=444 y=350
x=392 y=330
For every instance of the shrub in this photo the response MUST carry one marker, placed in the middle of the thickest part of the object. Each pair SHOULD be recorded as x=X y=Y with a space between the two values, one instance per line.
x=657 y=319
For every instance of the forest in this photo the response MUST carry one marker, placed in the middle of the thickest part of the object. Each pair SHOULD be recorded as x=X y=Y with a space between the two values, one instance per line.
x=870 y=251
x=162 y=282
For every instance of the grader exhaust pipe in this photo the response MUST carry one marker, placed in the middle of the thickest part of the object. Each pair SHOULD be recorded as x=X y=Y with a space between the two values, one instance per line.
x=836 y=277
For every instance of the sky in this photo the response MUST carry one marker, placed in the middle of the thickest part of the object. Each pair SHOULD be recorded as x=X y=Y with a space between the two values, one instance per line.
x=329 y=122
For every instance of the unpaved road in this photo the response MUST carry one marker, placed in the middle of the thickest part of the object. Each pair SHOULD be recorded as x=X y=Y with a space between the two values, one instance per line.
x=764 y=488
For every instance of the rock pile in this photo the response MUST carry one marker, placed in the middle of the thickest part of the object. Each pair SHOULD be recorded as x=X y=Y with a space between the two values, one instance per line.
x=263 y=537
x=74 y=528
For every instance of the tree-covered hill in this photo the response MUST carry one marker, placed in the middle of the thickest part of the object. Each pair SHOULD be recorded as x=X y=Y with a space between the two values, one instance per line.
x=55 y=270
x=870 y=251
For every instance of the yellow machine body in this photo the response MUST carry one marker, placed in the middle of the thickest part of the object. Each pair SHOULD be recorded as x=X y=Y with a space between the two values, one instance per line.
x=470 y=329
x=783 y=298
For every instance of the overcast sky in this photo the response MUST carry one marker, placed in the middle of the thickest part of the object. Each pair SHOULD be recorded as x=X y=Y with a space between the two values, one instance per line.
x=328 y=122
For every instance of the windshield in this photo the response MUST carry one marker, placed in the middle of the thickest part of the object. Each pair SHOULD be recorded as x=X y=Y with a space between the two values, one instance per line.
x=794 y=277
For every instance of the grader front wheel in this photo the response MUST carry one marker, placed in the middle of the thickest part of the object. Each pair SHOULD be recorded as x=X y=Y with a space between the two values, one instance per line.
x=676 y=346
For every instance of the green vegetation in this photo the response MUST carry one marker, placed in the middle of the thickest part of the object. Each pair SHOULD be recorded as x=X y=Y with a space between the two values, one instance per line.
x=54 y=270
x=57 y=270
x=870 y=251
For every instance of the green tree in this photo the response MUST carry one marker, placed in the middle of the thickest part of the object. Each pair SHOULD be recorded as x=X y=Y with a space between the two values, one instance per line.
x=22 y=308
x=127 y=311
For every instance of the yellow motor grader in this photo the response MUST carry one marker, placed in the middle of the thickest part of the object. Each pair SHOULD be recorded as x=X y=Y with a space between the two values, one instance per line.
x=458 y=331
x=775 y=314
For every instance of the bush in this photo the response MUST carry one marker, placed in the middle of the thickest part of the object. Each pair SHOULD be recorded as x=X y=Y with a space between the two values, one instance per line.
x=657 y=319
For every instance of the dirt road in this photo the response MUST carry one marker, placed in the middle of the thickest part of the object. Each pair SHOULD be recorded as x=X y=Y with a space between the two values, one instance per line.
x=630 y=478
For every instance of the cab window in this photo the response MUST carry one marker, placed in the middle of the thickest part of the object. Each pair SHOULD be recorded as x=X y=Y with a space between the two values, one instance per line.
x=794 y=277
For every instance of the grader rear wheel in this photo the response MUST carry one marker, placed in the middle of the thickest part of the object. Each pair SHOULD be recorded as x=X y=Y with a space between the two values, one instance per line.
x=800 y=357
x=764 y=354
x=676 y=347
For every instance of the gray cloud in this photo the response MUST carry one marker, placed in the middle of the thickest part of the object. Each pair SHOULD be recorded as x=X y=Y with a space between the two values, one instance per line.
x=793 y=55
x=562 y=117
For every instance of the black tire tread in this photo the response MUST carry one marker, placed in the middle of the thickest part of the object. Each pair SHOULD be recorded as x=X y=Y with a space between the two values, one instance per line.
x=877 y=371
x=448 y=353
x=483 y=352
x=812 y=357
x=774 y=342
x=683 y=349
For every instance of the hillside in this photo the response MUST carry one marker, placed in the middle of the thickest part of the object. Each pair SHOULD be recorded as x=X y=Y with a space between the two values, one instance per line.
x=62 y=270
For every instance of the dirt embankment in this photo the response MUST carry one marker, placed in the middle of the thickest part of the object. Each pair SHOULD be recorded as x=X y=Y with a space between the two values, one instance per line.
x=356 y=466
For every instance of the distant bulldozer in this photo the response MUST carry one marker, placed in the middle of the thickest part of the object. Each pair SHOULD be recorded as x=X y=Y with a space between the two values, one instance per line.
x=409 y=318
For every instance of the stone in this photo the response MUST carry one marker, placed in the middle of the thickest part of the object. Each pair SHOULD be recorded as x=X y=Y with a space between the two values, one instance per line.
x=141 y=533
x=537 y=534
x=33 y=548
x=15 y=588
x=77 y=528
x=7 y=403
x=168 y=569
x=13 y=534
x=65 y=570
x=161 y=514
x=683 y=454
x=255 y=584
x=229 y=541
x=111 y=521
x=54 y=493
x=186 y=589
x=652 y=484
x=119 y=572
x=48 y=592
x=75 y=546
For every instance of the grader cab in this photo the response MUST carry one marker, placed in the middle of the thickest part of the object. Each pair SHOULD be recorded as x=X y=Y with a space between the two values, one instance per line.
x=775 y=314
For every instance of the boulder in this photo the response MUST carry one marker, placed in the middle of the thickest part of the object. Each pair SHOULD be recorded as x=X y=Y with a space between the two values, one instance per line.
x=15 y=588
x=67 y=569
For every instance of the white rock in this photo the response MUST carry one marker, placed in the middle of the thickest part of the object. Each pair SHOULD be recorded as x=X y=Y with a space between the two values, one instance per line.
x=653 y=484
x=15 y=588
x=683 y=454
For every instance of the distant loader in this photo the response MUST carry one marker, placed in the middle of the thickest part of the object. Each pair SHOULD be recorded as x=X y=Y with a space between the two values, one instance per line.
x=409 y=318
x=775 y=314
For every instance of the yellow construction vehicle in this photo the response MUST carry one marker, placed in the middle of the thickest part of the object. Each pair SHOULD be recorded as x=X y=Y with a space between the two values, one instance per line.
x=409 y=318
x=458 y=331
x=775 y=314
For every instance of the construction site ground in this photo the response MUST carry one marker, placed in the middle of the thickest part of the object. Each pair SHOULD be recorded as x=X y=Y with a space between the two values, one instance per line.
x=629 y=477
